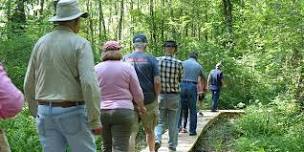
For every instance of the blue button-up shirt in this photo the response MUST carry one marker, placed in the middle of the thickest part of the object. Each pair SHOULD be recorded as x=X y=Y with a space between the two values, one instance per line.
x=192 y=70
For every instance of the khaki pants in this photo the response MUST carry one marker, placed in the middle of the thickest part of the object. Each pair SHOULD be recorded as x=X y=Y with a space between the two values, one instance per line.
x=4 y=146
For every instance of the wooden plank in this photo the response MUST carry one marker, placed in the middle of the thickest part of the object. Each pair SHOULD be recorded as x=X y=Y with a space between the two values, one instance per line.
x=4 y=146
x=186 y=142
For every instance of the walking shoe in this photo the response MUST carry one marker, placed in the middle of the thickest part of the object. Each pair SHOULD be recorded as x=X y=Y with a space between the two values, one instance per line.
x=200 y=113
x=183 y=130
x=157 y=146
x=192 y=134
x=172 y=149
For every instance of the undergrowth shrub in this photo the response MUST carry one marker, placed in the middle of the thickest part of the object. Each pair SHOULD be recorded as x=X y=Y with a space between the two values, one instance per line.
x=278 y=127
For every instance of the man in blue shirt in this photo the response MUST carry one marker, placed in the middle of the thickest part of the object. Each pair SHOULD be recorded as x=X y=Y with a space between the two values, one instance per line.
x=215 y=83
x=193 y=71
x=146 y=67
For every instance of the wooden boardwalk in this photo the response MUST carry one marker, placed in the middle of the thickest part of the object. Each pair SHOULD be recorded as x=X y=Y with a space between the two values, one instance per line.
x=186 y=142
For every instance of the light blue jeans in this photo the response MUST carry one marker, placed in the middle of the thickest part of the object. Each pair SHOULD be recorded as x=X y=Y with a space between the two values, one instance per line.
x=59 y=127
x=169 y=113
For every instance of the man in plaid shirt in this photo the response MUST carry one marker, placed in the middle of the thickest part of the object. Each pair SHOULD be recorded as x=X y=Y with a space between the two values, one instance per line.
x=171 y=70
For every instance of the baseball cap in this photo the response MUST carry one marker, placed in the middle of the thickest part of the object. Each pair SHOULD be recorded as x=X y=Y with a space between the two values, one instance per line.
x=140 y=38
x=170 y=43
x=111 y=45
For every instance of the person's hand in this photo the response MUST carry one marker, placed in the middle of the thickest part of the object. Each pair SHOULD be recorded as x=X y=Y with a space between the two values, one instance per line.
x=97 y=131
x=142 y=111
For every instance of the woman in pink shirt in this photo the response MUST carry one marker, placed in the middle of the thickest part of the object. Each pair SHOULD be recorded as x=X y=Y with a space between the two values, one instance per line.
x=11 y=99
x=120 y=91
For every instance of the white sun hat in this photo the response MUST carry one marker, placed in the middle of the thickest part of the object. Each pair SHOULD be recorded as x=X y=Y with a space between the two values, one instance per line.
x=67 y=10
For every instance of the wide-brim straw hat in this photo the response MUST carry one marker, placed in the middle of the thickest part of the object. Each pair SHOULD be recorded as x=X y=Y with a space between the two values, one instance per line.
x=67 y=10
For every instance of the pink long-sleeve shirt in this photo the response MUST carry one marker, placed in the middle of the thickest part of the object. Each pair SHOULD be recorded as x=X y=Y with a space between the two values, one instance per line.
x=11 y=99
x=119 y=85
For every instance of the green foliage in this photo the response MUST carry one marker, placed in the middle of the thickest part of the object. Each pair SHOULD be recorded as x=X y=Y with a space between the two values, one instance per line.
x=15 y=54
x=274 y=127
x=218 y=137
x=21 y=133
x=262 y=56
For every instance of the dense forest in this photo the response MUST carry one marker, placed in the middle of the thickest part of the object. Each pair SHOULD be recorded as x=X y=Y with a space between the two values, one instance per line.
x=259 y=42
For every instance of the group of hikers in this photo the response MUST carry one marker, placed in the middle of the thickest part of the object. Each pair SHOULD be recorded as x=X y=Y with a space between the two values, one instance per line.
x=72 y=100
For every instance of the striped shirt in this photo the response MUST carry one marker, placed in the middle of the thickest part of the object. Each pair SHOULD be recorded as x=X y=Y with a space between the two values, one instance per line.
x=171 y=71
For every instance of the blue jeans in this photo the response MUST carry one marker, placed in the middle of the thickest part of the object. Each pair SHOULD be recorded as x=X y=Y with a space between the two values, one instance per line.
x=215 y=99
x=169 y=105
x=59 y=127
x=188 y=101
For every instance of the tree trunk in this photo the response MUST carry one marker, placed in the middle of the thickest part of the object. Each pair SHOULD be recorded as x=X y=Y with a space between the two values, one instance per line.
x=90 y=29
x=121 y=20
x=228 y=15
x=173 y=30
x=110 y=18
x=18 y=19
x=138 y=4
x=102 y=24
x=162 y=23
x=9 y=8
x=193 y=32
x=132 y=18
x=55 y=6
x=153 y=26
x=132 y=23
x=41 y=8
x=206 y=21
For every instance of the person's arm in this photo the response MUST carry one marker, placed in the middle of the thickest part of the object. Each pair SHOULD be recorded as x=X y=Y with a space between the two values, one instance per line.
x=89 y=87
x=157 y=85
x=200 y=85
x=11 y=99
x=222 y=79
x=30 y=83
x=203 y=80
x=136 y=91
x=208 y=80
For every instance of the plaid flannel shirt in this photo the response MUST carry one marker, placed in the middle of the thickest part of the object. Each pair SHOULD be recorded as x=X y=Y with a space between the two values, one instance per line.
x=171 y=73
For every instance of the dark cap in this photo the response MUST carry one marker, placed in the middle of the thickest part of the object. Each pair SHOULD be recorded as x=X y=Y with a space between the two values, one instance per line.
x=140 y=38
x=170 y=43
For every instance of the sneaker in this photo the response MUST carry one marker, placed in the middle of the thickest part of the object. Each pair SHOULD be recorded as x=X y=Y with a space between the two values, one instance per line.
x=157 y=146
x=183 y=130
x=172 y=149
x=192 y=134
x=200 y=113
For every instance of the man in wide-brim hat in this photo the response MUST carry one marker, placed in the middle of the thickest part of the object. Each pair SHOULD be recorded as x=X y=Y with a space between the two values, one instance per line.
x=61 y=86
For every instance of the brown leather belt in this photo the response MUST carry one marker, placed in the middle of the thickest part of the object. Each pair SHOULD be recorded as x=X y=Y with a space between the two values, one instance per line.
x=63 y=104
